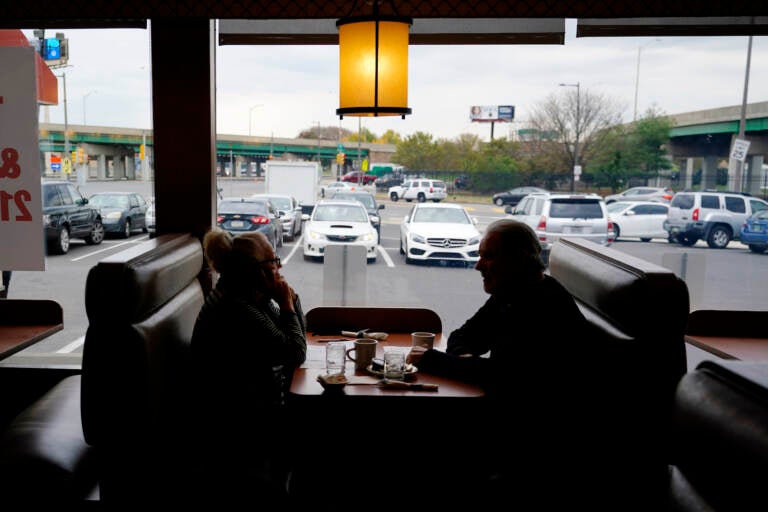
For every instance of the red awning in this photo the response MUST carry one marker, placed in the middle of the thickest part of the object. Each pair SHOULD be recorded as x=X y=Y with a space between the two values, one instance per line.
x=47 y=85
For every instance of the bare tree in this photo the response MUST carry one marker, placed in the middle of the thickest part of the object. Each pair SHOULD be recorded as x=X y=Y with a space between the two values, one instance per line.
x=571 y=116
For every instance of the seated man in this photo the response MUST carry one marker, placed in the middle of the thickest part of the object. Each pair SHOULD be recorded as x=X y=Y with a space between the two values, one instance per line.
x=524 y=347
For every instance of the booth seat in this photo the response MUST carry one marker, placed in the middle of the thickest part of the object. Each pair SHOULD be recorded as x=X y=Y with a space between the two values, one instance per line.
x=116 y=432
x=634 y=357
x=720 y=438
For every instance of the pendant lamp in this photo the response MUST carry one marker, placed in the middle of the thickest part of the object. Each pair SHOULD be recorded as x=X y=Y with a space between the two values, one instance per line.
x=373 y=65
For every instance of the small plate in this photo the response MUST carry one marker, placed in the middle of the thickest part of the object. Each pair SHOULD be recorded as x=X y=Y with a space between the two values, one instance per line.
x=409 y=370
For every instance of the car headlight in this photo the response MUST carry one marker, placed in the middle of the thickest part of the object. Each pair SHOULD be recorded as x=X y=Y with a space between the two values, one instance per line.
x=46 y=219
x=418 y=238
x=368 y=237
x=474 y=240
x=314 y=235
x=114 y=215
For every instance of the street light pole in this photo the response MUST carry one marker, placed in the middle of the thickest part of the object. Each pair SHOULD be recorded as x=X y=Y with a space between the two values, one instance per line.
x=250 y=112
x=577 y=85
x=85 y=96
x=67 y=154
x=637 y=74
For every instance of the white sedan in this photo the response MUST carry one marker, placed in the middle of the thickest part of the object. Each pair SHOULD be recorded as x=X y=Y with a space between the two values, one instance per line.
x=331 y=188
x=640 y=219
x=439 y=232
x=337 y=222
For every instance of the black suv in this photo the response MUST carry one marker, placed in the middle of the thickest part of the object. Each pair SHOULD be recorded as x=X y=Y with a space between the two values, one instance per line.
x=67 y=215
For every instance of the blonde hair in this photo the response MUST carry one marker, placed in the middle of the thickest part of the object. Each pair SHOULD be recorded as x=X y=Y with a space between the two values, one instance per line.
x=226 y=253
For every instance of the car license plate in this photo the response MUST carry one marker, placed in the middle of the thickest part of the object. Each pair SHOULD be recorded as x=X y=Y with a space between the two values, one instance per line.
x=573 y=230
x=236 y=224
x=757 y=228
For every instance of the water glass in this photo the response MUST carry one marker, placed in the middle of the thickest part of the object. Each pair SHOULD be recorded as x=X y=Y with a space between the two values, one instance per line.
x=335 y=357
x=394 y=363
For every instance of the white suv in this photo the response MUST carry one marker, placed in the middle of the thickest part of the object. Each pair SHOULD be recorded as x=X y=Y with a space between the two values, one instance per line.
x=554 y=215
x=419 y=189
x=715 y=217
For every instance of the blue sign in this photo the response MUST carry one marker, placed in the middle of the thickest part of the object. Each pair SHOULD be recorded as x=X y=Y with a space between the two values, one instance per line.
x=52 y=49
x=506 y=112
x=56 y=167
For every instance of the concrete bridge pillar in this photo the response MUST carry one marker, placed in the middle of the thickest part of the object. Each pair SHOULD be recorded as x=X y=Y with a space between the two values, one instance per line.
x=118 y=167
x=753 y=175
x=686 y=173
x=101 y=167
x=130 y=168
x=709 y=172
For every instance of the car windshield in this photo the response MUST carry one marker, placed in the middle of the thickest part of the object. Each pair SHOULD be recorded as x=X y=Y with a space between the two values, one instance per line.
x=452 y=215
x=332 y=213
x=575 y=209
x=109 y=201
x=281 y=203
x=365 y=199
x=249 y=207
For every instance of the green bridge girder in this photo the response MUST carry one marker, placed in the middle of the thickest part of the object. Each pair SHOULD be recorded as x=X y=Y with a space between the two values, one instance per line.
x=54 y=141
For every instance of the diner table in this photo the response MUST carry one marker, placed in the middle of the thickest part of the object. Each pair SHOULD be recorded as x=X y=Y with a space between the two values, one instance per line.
x=375 y=434
x=729 y=334
x=24 y=322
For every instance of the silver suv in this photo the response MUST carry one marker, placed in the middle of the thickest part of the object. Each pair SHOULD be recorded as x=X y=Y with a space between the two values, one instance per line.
x=554 y=215
x=715 y=217
x=420 y=189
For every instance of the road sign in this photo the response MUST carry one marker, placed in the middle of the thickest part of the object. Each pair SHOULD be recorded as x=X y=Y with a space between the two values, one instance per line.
x=56 y=166
x=67 y=166
x=740 y=148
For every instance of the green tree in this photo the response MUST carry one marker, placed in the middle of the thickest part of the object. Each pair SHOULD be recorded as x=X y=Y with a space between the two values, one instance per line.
x=417 y=152
x=365 y=135
x=389 y=137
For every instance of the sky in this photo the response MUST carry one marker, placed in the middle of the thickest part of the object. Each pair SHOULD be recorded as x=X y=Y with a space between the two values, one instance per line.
x=281 y=90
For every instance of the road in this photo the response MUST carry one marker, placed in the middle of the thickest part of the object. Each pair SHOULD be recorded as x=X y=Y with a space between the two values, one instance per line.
x=725 y=279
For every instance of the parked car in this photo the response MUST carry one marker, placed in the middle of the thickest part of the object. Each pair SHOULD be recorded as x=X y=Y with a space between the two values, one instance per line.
x=290 y=212
x=754 y=232
x=640 y=219
x=554 y=215
x=339 y=222
x=661 y=194
x=438 y=232
x=329 y=189
x=462 y=182
x=421 y=189
x=513 y=196
x=150 y=216
x=359 y=177
x=67 y=215
x=713 y=216
x=369 y=201
x=388 y=180
x=244 y=214
x=122 y=212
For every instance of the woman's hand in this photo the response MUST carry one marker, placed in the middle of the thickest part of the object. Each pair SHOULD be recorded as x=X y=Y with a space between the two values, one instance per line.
x=414 y=356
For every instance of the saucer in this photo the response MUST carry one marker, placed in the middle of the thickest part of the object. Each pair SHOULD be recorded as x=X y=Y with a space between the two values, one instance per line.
x=409 y=370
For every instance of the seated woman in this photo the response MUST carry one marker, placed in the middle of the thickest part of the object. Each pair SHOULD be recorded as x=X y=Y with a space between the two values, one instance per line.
x=248 y=339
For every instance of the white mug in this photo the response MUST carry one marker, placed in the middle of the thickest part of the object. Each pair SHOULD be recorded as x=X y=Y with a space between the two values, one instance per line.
x=423 y=339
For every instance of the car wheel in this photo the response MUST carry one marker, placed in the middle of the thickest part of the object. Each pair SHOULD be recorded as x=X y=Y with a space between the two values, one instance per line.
x=127 y=228
x=96 y=235
x=393 y=197
x=758 y=249
x=421 y=197
x=435 y=200
x=499 y=201
x=718 y=238
x=645 y=239
x=144 y=228
x=616 y=231
x=62 y=242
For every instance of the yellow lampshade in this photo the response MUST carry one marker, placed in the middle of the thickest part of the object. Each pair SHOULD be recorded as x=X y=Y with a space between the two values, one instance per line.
x=373 y=66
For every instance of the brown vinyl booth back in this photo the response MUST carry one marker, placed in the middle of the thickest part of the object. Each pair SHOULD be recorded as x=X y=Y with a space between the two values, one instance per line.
x=141 y=305
x=637 y=312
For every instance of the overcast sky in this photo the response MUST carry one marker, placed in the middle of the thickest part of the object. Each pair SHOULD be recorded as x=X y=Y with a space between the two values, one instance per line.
x=286 y=89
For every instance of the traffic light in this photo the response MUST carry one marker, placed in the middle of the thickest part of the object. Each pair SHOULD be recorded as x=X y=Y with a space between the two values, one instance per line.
x=141 y=152
x=74 y=156
x=341 y=158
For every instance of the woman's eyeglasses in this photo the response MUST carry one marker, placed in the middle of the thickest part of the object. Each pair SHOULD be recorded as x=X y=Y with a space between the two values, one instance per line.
x=276 y=261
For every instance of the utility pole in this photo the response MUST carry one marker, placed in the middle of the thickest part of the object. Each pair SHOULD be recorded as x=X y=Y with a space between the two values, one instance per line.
x=739 y=167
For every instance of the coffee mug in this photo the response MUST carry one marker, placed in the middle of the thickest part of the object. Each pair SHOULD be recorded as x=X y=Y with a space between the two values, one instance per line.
x=423 y=339
x=364 y=350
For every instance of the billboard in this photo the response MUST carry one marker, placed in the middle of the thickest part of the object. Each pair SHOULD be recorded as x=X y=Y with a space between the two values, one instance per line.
x=492 y=113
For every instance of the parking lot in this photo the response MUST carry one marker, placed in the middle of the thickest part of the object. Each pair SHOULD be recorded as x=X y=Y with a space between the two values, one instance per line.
x=731 y=277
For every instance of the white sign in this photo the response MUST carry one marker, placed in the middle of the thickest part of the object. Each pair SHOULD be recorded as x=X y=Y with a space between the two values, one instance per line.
x=577 y=170
x=740 y=148
x=21 y=225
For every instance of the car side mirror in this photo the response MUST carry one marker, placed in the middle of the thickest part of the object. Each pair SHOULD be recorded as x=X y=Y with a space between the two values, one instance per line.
x=474 y=220
x=381 y=207
x=508 y=209
x=406 y=218
x=629 y=213
x=304 y=216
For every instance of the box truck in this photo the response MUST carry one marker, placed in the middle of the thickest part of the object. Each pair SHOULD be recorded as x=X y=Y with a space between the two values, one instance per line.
x=298 y=179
